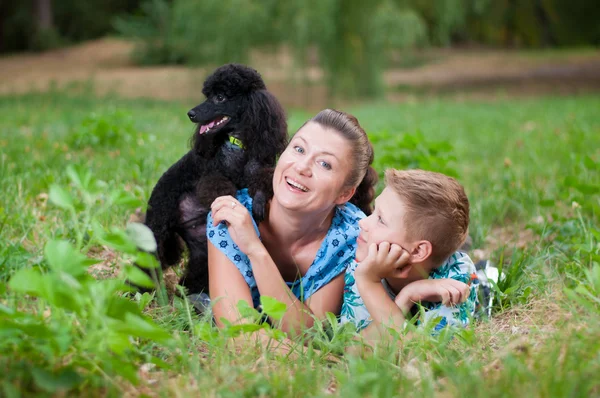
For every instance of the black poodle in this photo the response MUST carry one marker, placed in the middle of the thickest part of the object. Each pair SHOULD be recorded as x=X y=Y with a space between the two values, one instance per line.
x=241 y=130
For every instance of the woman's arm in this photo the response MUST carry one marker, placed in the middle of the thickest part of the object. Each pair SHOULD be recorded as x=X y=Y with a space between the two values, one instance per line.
x=298 y=314
x=268 y=278
x=226 y=285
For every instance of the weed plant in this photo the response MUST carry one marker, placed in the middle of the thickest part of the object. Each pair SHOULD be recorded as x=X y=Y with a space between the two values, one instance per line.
x=74 y=171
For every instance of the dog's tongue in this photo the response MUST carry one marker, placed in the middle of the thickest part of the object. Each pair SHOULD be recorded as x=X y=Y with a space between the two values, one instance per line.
x=203 y=128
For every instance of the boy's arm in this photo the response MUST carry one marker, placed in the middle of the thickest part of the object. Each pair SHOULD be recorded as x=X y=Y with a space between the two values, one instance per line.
x=451 y=299
x=383 y=260
x=383 y=310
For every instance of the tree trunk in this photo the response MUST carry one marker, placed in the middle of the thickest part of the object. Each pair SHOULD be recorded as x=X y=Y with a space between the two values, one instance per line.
x=43 y=13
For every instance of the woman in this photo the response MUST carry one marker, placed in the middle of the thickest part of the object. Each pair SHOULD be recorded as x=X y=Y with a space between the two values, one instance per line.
x=299 y=253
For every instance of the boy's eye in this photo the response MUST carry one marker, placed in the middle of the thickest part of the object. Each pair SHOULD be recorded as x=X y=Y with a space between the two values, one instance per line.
x=380 y=220
x=325 y=165
x=299 y=149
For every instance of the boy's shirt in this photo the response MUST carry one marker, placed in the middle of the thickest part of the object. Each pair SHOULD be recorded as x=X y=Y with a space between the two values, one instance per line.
x=459 y=267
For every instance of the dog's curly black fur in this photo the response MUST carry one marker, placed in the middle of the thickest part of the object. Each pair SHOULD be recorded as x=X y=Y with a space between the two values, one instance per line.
x=217 y=166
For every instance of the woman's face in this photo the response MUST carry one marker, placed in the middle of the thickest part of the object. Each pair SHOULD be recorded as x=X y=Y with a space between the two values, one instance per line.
x=311 y=173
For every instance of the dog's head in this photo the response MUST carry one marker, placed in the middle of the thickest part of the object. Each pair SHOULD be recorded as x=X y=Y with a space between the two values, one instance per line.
x=238 y=105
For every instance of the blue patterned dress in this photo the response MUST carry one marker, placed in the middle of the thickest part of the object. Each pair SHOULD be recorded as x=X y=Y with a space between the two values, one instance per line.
x=333 y=257
x=459 y=266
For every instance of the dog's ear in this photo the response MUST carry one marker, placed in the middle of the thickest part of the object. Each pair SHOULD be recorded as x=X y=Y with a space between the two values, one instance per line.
x=268 y=137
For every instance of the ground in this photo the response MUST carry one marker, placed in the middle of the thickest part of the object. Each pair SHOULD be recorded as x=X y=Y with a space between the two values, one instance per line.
x=475 y=73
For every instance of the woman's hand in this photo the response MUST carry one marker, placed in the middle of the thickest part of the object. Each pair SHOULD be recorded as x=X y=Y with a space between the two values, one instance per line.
x=239 y=223
x=383 y=260
x=447 y=291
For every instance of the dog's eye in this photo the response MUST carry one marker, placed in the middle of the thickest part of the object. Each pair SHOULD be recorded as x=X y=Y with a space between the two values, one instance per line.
x=219 y=98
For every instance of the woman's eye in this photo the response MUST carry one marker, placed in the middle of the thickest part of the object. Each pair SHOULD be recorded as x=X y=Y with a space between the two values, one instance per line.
x=299 y=149
x=326 y=165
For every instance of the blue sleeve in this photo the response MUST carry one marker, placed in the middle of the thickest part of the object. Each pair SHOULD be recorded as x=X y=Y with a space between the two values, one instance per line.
x=220 y=238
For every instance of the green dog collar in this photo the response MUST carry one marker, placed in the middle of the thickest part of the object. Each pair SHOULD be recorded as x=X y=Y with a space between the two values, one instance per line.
x=237 y=142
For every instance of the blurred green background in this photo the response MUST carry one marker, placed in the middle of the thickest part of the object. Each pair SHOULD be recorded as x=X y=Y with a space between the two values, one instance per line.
x=336 y=48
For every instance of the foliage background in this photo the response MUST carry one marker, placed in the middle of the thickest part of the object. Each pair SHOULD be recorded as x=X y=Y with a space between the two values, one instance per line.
x=352 y=40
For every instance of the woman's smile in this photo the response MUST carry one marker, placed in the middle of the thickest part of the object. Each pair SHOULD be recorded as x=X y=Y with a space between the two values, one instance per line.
x=295 y=186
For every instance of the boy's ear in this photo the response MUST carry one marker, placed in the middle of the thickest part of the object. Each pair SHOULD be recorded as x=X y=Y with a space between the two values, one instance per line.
x=345 y=196
x=421 y=252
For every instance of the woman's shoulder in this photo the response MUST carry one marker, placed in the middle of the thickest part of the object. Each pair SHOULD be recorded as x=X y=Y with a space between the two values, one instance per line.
x=348 y=213
x=244 y=198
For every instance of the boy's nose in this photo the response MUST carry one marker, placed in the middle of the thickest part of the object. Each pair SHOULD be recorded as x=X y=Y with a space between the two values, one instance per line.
x=362 y=224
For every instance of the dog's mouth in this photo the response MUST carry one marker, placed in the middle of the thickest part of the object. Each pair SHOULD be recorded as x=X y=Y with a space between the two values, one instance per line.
x=214 y=125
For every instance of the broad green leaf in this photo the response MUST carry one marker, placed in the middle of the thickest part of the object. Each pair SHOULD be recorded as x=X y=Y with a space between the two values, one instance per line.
x=74 y=176
x=125 y=198
x=138 y=277
x=146 y=260
x=142 y=236
x=246 y=311
x=62 y=256
x=547 y=202
x=143 y=299
x=60 y=197
x=145 y=328
x=589 y=163
x=29 y=281
x=587 y=189
x=272 y=307
x=119 y=240
x=118 y=342
x=64 y=379
x=117 y=307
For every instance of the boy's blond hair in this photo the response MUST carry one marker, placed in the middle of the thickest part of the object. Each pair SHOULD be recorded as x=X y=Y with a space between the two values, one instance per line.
x=437 y=209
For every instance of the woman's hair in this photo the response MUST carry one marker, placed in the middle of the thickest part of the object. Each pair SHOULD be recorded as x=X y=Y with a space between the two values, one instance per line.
x=363 y=175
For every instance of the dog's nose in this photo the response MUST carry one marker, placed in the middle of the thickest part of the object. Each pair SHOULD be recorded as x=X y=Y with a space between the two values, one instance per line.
x=192 y=115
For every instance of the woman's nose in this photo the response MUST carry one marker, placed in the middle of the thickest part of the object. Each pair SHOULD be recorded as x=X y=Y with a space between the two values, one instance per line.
x=302 y=166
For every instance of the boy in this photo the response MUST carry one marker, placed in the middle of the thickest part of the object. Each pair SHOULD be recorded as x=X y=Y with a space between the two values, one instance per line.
x=406 y=255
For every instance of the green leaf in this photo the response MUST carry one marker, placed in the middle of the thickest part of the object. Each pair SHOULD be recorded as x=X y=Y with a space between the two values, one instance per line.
x=62 y=256
x=589 y=163
x=145 y=328
x=547 y=202
x=272 y=307
x=119 y=240
x=246 y=311
x=118 y=342
x=60 y=197
x=125 y=199
x=29 y=281
x=142 y=236
x=73 y=176
x=146 y=260
x=117 y=307
x=143 y=299
x=587 y=189
x=65 y=379
x=138 y=277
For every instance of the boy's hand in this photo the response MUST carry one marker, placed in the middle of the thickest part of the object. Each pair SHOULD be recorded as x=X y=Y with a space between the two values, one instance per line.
x=447 y=291
x=384 y=260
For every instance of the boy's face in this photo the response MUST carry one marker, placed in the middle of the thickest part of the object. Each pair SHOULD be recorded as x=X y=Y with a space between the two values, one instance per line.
x=386 y=224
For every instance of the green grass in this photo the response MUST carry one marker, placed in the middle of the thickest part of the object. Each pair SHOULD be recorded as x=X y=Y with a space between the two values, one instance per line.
x=527 y=165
